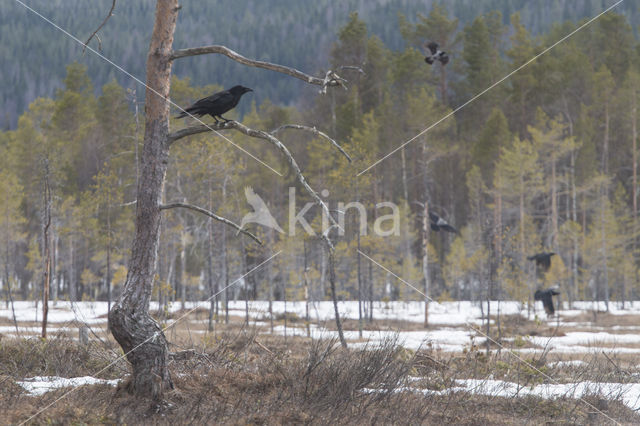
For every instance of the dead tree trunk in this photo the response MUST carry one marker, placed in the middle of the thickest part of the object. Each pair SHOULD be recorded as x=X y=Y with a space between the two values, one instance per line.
x=7 y=278
x=136 y=331
x=306 y=289
x=47 y=252
x=213 y=301
x=109 y=251
x=634 y=157
x=334 y=297
x=425 y=261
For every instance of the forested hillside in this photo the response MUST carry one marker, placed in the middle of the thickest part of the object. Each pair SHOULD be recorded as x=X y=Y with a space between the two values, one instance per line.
x=545 y=161
x=33 y=55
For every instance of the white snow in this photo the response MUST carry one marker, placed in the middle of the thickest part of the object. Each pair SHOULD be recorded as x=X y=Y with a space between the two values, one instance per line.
x=447 y=313
x=60 y=311
x=629 y=393
x=453 y=318
x=585 y=342
x=569 y=363
x=445 y=339
x=39 y=385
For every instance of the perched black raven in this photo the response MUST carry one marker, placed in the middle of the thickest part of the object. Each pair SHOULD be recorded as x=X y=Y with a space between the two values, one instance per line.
x=438 y=223
x=546 y=296
x=542 y=259
x=216 y=104
x=436 y=54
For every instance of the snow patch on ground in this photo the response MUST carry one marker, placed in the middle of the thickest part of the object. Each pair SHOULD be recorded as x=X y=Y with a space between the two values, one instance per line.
x=453 y=318
x=40 y=385
x=569 y=363
x=445 y=339
x=628 y=393
x=446 y=313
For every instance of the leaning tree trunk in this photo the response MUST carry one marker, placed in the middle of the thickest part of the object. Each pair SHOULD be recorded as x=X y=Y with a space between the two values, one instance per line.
x=334 y=296
x=135 y=330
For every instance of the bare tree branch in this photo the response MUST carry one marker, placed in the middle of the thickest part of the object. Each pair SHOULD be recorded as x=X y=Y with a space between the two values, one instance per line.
x=315 y=132
x=95 y=33
x=331 y=78
x=352 y=68
x=194 y=130
x=260 y=134
x=211 y=215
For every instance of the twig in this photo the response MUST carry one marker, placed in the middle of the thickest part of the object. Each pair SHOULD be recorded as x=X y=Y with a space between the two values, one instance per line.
x=262 y=346
x=315 y=132
x=95 y=33
x=614 y=364
x=353 y=68
x=211 y=215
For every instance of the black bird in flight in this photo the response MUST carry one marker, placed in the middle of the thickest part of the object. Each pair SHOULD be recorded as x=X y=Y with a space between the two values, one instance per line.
x=438 y=223
x=436 y=54
x=546 y=296
x=542 y=259
x=216 y=104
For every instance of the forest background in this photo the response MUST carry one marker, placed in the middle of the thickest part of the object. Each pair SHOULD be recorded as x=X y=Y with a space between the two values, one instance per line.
x=546 y=160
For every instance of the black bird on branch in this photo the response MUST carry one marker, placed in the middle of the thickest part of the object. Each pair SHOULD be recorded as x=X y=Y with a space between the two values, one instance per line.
x=542 y=260
x=216 y=104
x=436 y=54
x=546 y=296
x=438 y=223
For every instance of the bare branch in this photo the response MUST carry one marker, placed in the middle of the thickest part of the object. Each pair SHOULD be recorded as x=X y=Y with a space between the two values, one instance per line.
x=292 y=162
x=315 y=132
x=211 y=215
x=260 y=135
x=194 y=130
x=352 y=68
x=95 y=33
x=331 y=79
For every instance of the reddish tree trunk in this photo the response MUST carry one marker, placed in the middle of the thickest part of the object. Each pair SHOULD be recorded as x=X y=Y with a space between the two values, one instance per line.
x=135 y=330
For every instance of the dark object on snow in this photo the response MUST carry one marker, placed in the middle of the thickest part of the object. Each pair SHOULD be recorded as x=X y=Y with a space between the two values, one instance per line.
x=436 y=54
x=542 y=259
x=546 y=296
x=438 y=223
x=216 y=104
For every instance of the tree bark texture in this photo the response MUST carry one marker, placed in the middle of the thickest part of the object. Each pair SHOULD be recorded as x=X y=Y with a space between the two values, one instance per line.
x=136 y=331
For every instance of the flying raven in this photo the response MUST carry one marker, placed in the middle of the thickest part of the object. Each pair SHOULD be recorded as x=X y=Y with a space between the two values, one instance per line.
x=546 y=296
x=216 y=104
x=542 y=259
x=438 y=223
x=436 y=54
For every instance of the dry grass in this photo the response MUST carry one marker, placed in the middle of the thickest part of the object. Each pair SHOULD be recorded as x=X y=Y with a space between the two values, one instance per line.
x=245 y=378
x=240 y=375
x=59 y=356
